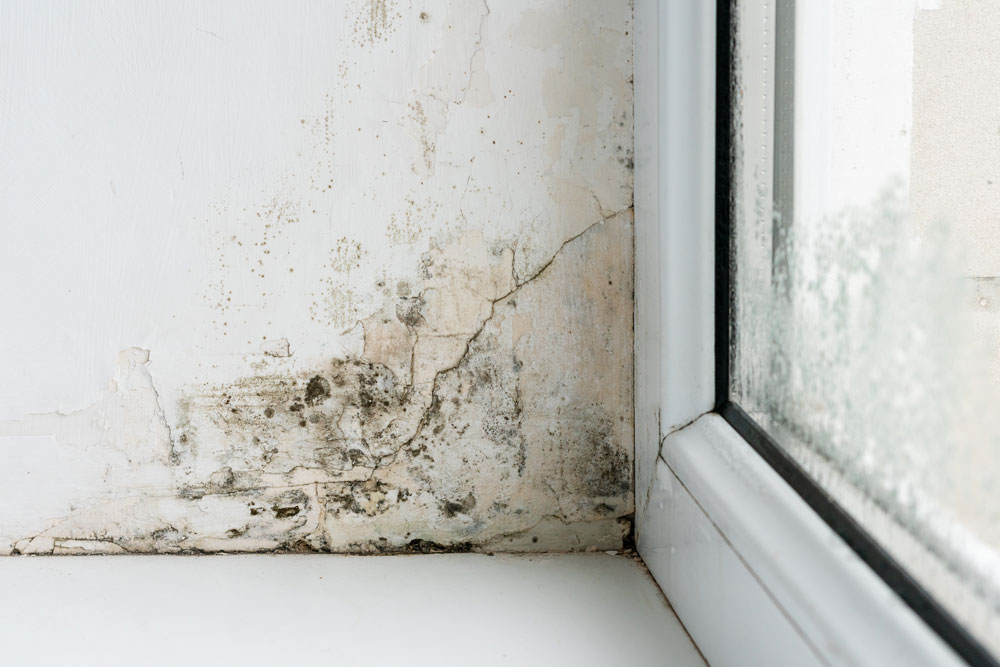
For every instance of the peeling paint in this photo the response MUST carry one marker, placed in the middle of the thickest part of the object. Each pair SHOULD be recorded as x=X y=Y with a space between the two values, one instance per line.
x=426 y=350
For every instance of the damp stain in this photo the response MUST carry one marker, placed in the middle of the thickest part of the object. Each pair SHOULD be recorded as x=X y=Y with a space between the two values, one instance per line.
x=461 y=425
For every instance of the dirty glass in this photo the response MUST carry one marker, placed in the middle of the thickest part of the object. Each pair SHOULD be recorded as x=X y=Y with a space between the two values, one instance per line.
x=866 y=264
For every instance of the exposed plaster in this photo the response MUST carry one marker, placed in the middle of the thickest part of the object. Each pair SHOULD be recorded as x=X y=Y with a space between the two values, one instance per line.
x=462 y=378
x=355 y=468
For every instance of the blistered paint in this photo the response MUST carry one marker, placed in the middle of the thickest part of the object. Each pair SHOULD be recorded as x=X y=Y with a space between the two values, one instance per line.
x=387 y=307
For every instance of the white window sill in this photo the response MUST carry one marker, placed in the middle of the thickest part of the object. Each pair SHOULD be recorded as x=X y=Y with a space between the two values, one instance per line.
x=455 y=609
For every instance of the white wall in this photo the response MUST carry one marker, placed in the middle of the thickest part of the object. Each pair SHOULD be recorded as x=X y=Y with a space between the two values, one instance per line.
x=425 y=206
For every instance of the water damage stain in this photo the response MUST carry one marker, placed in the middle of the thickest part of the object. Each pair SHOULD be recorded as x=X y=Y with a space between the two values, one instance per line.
x=502 y=433
x=470 y=422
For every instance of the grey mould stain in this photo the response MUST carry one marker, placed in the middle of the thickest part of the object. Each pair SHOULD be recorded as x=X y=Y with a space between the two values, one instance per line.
x=352 y=440
x=489 y=409
x=522 y=440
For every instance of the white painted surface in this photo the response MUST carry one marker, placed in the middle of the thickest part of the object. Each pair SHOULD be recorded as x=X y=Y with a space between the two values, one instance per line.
x=827 y=596
x=730 y=615
x=206 y=205
x=686 y=189
x=675 y=143
x=648 y=343
x=589 y=609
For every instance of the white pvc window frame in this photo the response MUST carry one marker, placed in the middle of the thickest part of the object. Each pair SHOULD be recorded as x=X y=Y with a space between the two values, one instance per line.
x=751 y=570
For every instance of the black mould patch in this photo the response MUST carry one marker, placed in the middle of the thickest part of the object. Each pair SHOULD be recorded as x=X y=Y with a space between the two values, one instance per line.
x=317 y=390
x=351 y=413
x=301 y=547
x=368 y=498
x=601 y=468
x=428 y=547
x=285 y=512
x=626 y=157
x=475 y=433
x=451 y=508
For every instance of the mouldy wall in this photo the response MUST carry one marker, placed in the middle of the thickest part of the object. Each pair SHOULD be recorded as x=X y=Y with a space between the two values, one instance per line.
x=324 y=276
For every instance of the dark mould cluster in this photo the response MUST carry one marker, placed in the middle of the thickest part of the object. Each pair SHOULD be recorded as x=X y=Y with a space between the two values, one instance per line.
x=601 y=468
x=350 y=419
x=363 y=498
x=341 y=417
x=451 y=508
x=317 y=390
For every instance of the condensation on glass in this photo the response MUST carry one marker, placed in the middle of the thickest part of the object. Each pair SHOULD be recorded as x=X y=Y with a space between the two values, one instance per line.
x=866 y=329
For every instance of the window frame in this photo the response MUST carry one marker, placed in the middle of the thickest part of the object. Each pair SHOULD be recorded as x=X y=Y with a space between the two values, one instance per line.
x=711 y=470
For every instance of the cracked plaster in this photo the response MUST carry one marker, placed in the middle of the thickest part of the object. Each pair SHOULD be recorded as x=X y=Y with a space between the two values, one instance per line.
x=405 y=323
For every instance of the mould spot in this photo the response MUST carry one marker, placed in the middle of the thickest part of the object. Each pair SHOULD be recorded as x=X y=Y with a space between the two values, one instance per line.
x=603 y=469
x=408 y=311
x=428 y=547
x=450 y=508
x=318 y=390
x=367 y=498
x=284 y=512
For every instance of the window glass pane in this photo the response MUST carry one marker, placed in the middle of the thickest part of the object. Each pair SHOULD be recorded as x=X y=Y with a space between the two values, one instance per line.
x=866 y=329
